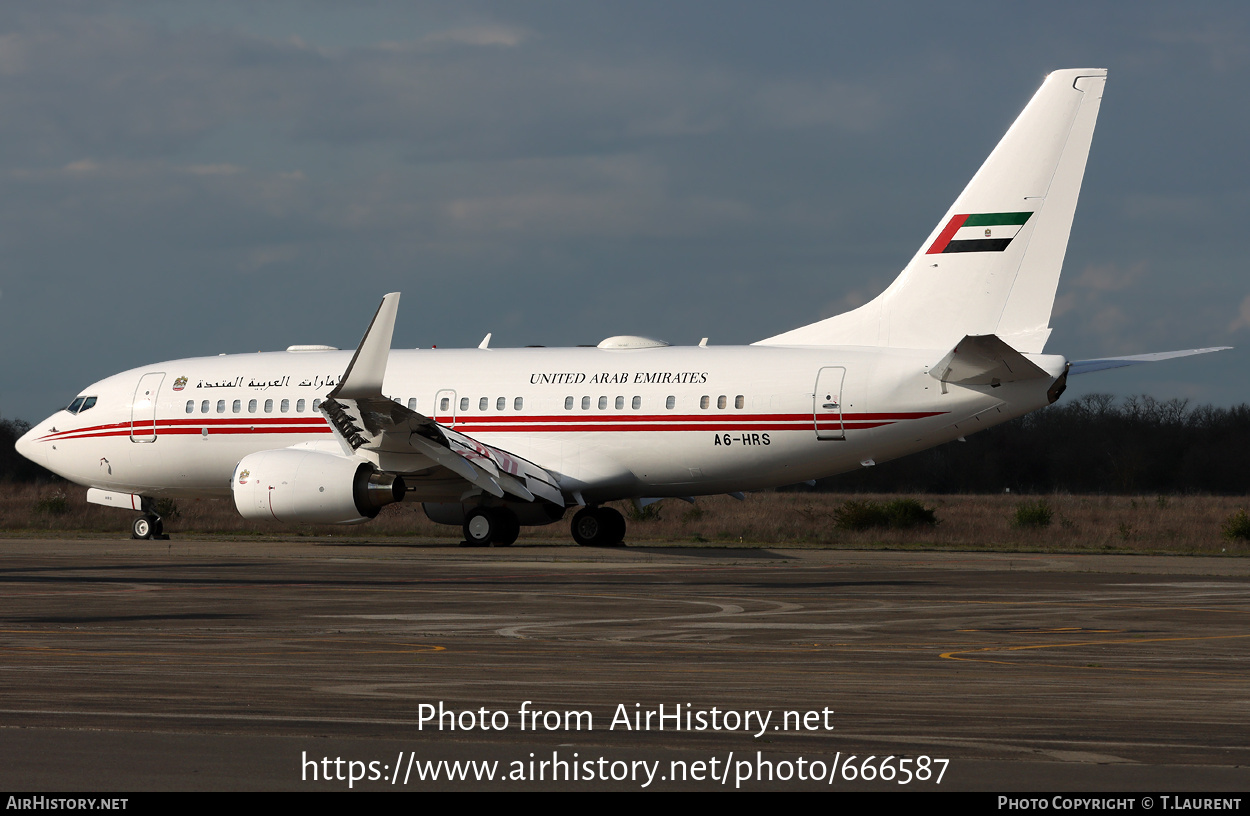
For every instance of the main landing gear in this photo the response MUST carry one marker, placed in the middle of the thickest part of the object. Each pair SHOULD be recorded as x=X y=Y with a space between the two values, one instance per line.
x=491 y=526
x=499 y=527
x=148 y=526
x=598 y=527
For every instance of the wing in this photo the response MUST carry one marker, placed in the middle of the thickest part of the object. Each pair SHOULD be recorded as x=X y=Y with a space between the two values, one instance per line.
x=439 y=462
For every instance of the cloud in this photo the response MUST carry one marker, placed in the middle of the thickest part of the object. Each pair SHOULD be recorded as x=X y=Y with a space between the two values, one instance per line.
x=481 y=35
x=223 y=169
x=1167 y=208
x=81 y=166
x=108 y=86
x=1110 y=277
x=1242 y=320
x=1222 y=43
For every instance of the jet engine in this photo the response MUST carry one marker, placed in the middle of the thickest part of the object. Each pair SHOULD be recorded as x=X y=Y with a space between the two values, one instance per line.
x=311 y=486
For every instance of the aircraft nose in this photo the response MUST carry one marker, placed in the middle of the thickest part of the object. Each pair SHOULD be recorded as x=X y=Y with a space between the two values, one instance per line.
x=27 y=447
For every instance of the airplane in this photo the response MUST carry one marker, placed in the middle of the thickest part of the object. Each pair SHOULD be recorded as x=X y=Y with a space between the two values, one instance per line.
x=493 y=439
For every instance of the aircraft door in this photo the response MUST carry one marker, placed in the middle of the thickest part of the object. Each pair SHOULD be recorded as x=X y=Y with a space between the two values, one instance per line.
x=143 y=409
x=827 y=403
x=445 y=407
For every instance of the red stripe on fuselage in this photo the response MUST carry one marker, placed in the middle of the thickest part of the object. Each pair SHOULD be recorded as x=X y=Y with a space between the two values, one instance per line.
x=559 y=423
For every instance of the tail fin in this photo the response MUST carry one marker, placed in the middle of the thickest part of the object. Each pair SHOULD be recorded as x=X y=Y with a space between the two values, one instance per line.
x=991 y=266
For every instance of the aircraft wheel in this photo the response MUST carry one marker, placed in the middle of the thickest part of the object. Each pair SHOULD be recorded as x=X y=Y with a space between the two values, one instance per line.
x=146 y=527
x=615 y=524
x=507 y=528
x=479 y=527
x=598 y=527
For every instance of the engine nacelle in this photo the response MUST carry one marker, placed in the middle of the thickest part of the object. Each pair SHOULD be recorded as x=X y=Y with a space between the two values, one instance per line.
x=311 y=486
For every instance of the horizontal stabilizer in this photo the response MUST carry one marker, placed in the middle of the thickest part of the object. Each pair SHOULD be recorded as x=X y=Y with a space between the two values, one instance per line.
x=984 y=360
x=1103 y=363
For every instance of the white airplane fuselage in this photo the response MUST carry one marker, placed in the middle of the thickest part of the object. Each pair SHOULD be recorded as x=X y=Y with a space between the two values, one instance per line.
x=610 y=423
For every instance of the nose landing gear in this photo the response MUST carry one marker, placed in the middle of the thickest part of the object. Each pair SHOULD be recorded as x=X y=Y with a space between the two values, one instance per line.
x=148 y=526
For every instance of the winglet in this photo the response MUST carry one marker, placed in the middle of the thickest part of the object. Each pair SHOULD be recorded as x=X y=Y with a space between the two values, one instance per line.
x=367 y=369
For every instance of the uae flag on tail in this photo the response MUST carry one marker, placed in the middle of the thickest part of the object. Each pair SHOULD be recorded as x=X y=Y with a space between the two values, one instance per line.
x=979 y=232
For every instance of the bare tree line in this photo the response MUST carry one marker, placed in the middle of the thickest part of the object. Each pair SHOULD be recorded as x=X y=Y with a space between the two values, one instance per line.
x=1094 y=444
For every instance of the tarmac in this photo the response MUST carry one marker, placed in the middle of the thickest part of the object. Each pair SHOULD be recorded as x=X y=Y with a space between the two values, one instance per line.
x=329 y=664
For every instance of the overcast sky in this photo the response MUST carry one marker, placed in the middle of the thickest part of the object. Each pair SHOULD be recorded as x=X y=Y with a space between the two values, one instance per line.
x=183 y=179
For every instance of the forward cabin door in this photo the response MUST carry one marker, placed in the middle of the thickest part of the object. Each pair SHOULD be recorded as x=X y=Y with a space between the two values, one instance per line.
x=827 y=403
x=143 y=409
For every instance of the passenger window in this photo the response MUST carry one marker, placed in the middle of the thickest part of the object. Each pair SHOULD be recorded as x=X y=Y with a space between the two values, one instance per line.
x=268 y=406
x=670 y=402
x=518 y=403
x=483 y=404
x=501 y=403
x=299 y=406
x=237 y=406
x=412 y=404
x=285 y=406
x=316 y=403
x=221 y=406
x=204 y=407
x=444 y=404
x=190 y=406
x=738 y=401
x=568 y=403
x=251 y=406
x=464 y=403
x=637 y=403
x=703 y=402
x=585 y=403
x=603 y=403
x=620 y=403
x=720 y=401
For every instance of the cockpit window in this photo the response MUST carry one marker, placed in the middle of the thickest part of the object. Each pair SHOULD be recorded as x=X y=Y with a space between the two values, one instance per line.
x=81 y=404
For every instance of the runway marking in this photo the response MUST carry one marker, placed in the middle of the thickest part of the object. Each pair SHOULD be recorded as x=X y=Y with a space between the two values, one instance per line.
x=1105 y=605
x=1055 y=631
x=292 y=643
x=955 y=655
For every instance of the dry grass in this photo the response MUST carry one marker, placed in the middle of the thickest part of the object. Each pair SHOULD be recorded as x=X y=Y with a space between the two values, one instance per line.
x=1171 y=524
x=1142 y=524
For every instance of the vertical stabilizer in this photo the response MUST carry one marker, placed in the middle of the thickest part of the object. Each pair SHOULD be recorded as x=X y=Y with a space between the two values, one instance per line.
x=991 y=265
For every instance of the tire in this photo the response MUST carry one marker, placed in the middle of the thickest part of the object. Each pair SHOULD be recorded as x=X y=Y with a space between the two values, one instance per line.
x=614 y=525
x=507 y=528
x=480 y=527
x=598 y=527
x=143 y=527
